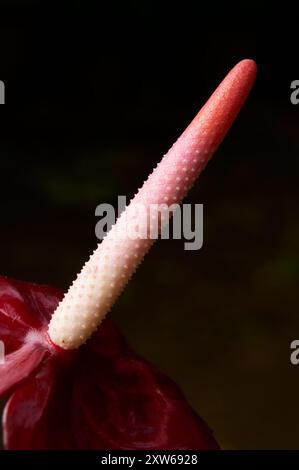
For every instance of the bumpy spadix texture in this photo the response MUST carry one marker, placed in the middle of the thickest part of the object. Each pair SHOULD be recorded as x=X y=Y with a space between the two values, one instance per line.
x=114 y=261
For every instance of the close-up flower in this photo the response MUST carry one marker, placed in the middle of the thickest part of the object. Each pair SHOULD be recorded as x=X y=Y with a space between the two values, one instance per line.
x=149 y=234
x=71 y=379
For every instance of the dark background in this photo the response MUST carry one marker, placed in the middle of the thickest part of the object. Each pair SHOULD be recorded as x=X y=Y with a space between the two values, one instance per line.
x=95 y=94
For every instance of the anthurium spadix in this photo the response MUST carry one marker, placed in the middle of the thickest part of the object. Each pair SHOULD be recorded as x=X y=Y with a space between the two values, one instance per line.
x=73 y=381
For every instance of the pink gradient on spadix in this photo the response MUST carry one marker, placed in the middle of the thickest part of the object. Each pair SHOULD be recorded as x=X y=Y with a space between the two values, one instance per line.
x=112 y=264
x=179 y=168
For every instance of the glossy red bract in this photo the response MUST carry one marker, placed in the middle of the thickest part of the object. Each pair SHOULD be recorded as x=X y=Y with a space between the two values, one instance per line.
x=102 y=396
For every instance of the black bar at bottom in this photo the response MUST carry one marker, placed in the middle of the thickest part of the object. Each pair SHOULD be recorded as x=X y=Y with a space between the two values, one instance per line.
x=135 y=459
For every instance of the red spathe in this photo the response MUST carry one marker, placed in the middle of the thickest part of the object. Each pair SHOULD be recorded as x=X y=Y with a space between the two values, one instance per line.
x=102 y=396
